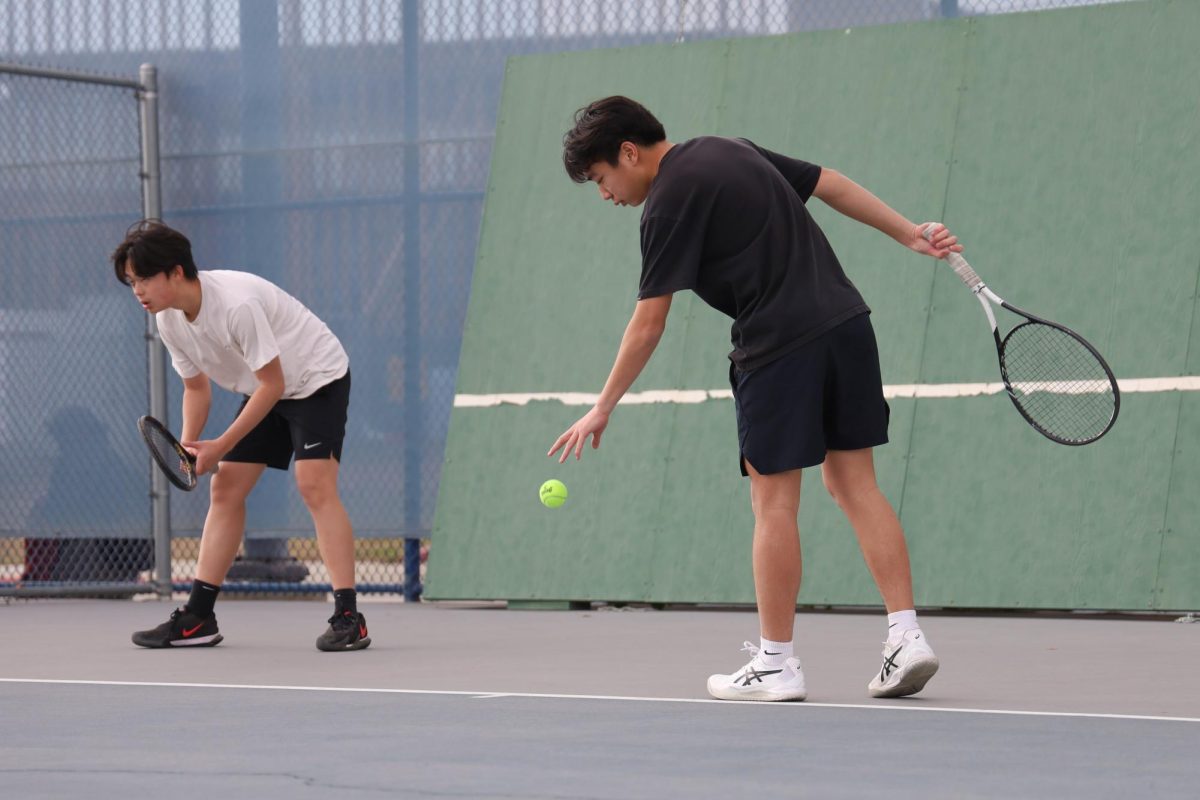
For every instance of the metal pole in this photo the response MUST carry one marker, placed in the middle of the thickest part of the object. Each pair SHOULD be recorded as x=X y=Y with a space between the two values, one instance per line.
x=67 y=75
x=413 y=433
x=160 y=501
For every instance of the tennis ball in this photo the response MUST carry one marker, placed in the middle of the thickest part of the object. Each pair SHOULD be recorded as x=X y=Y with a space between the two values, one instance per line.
x=553 y=493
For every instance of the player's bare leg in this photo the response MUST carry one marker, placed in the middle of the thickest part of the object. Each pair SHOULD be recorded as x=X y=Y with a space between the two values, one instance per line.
x=773 y=672
x=849 y=476
x=317 y=480
x=908 y=660
x=777 y=561
x=226 y=520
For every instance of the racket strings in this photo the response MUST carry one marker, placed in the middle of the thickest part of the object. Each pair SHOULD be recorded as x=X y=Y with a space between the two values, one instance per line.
x=169 y=456
x=1058 y=382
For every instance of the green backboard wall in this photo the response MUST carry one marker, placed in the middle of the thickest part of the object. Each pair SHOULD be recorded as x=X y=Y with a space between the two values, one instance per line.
x=1061 y=147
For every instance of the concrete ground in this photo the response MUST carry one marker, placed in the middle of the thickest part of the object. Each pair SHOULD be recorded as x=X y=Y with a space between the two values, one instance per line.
x=460 y=701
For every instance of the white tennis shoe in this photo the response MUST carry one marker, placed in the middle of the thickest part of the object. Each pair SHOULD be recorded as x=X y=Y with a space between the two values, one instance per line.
x=757 y=681
x=908 y=664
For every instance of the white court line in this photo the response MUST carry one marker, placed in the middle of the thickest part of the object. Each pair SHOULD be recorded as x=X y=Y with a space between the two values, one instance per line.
x=532 y=695
x=1186 y=383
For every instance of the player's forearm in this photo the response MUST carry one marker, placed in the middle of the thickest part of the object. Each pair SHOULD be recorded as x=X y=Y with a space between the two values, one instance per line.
x=637 y=345
x=261 y=401
x=196 y=405
x=847 y=197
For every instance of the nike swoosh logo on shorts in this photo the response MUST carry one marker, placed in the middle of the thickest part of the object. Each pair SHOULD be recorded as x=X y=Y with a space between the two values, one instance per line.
x=311 y=446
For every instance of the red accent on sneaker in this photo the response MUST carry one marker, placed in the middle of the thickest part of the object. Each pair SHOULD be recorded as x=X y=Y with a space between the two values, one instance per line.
x=187 y=633
x=362 y=631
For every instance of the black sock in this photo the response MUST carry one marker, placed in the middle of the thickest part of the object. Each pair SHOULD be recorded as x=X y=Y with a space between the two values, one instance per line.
x=204 y=596
x=345 y=600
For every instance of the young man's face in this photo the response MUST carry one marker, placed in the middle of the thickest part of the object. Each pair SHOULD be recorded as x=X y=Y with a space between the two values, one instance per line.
x=625 y=184
x=154 y=293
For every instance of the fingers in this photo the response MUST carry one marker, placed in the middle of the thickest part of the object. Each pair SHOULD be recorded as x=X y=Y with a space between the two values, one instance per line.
x=941 y=241
x=566 y=442
x=559 y=443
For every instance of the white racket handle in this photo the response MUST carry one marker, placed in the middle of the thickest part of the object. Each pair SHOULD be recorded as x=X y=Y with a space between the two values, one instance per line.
x=959 y=264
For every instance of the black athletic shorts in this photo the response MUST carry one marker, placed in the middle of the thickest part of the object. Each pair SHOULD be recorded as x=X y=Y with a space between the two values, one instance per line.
x=310 y=427
x=827 y=395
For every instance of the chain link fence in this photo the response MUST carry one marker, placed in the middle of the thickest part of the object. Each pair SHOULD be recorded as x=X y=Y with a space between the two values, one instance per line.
x=337 y=147
x=74 y=499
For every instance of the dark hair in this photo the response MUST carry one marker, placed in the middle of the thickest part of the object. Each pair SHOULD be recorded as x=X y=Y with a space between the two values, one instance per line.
x=601 y=127
x=150 y=247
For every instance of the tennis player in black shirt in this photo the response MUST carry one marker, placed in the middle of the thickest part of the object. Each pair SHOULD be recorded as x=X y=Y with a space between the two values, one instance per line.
x=726 y=219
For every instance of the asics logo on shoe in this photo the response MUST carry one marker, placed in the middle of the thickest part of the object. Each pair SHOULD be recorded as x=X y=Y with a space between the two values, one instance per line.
x=889 y=664
x=187 y=633
x=756 y=675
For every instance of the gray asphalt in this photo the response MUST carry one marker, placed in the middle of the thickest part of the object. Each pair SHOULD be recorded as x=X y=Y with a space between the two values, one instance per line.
x=93 y=740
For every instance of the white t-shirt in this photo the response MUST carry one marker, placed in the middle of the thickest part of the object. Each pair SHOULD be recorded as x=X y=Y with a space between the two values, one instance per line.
x=244 y=322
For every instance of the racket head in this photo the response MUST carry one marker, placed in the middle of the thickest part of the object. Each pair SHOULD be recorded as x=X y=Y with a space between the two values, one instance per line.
x=176 y=463
x=1059 y=383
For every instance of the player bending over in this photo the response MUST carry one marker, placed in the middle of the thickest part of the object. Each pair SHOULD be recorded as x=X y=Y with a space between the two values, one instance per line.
x=250 y=337
x=726 y=219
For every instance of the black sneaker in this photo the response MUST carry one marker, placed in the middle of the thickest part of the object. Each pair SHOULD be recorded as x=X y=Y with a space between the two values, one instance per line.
x=183 y=629
x=347 y=631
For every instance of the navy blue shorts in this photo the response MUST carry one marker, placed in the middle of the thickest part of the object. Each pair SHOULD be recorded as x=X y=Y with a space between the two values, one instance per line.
x=310 y=427
x=827 y=395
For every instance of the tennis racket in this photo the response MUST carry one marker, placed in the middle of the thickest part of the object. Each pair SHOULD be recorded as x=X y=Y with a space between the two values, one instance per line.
x=176 y=462
x=1061 y=385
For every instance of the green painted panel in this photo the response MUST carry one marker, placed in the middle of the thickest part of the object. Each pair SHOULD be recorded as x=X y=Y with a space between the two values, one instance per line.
x=1059 y=145
x=1179 y=562
x=999 y=516
x=1075 y=184
x=498 y=541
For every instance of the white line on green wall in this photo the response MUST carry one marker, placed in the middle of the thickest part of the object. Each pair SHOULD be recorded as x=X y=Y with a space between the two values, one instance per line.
x=1186 y=383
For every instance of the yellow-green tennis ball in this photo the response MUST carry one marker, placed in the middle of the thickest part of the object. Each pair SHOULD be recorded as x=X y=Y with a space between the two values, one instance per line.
x=553 y=494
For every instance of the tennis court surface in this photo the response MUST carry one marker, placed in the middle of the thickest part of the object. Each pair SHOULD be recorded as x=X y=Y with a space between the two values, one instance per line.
x=477 y=701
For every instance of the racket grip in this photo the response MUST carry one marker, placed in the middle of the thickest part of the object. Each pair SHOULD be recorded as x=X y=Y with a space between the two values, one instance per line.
x=957 y=263
x=964 y=271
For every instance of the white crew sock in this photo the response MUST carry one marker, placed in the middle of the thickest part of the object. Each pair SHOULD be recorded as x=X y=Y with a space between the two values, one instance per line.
x=773 y=654
x=900 y=623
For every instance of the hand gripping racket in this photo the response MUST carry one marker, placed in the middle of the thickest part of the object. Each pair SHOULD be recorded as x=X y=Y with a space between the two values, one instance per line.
x=1061 y=385
x=176 y=463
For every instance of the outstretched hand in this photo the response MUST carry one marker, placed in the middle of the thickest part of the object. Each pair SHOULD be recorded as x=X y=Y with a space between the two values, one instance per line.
x=941 y=244
x=590 y=424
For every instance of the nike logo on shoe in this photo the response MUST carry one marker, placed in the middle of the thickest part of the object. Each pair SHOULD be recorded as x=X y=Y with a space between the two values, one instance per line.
x=769 y=653
x=362 y=631
x=311 y=446
x=187 y=633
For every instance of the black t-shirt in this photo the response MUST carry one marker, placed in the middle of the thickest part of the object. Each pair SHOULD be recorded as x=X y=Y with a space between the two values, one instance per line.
x=726 y=219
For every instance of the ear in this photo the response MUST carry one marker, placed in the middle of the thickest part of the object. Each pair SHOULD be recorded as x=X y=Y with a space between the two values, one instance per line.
x=176 y=272
x=630 y=153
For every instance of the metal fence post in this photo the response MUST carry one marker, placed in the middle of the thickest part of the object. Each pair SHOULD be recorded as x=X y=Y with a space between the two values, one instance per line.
x=160 y=500
x=412 y=301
